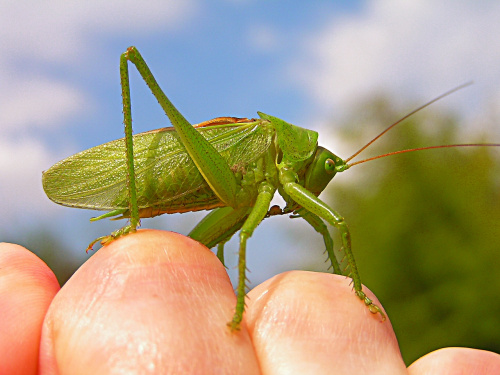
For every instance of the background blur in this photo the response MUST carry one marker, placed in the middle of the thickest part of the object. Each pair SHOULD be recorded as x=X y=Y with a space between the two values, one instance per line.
x=425 y=226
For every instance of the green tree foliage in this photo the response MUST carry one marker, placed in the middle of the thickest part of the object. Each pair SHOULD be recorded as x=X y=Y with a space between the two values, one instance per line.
x=426 y=234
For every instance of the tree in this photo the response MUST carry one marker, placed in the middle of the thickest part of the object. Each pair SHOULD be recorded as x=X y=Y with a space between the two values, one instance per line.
x=426 y=229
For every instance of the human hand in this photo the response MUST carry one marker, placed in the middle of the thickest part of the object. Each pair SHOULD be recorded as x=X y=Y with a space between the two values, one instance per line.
x=158 y=302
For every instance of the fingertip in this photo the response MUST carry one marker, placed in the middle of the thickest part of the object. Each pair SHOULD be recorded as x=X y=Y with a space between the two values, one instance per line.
x=152 y=298
x=27 y=287
x=19 y=261
x=300 y=319
x=457 y=361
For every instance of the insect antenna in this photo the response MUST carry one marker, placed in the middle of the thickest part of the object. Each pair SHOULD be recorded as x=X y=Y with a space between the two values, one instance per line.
x=418 y=148
x=425 y=148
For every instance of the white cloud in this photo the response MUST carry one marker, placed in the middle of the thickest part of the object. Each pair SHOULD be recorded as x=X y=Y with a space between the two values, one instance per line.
x=418 y=49
x=263 y=38
x=59 y=30
x=42 y=36
x=37 y=102
x=21 y=166
x=38 y=40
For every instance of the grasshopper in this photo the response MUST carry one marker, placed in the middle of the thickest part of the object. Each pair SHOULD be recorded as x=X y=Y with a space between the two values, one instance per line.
x=232 y=166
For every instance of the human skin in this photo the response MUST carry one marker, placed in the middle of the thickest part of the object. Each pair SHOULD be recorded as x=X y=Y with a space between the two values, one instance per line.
x=158 y=302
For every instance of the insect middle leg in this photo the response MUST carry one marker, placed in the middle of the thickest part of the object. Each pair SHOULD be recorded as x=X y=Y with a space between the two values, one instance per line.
x=259 y=211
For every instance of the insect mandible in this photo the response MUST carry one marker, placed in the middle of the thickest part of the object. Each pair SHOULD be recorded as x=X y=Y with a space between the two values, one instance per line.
x=232 y=166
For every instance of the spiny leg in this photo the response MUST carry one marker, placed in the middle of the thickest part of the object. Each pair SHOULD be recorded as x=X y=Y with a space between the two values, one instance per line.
x=129 y=149
x=129 y=144
x=320 y=227
x=313 y=204
x=209 y=162
x=259 y=211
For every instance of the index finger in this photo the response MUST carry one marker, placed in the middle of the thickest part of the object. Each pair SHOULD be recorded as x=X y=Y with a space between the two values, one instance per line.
x=151 y=300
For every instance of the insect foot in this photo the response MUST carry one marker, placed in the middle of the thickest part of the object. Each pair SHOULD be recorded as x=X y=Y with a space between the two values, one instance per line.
x=113 y=236
x=235 y=323
x=374 y=309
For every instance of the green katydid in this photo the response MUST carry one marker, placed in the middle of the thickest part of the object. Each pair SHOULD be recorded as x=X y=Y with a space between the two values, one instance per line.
x=232 y=166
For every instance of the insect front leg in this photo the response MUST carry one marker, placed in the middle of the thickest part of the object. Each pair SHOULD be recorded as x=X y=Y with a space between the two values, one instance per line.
x=313 y=204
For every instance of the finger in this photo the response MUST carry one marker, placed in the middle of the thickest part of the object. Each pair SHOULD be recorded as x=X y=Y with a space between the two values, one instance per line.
x=457 y=361
x=27 y=287
x=312 y=323
x=151 y=301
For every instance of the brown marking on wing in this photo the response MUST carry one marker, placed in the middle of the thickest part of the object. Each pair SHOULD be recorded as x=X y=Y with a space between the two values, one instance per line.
x=223 y=121
x=214 y=121
x=156 y=211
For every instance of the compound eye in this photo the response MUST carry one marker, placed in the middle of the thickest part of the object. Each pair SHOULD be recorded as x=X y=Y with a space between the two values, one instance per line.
x=329 y=166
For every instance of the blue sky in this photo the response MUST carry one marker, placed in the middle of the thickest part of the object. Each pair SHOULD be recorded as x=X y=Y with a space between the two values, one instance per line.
x=305 y=62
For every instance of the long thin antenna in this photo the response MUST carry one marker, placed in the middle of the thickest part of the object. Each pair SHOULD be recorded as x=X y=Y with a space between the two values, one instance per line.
x=404 y=118
x=425 y=148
